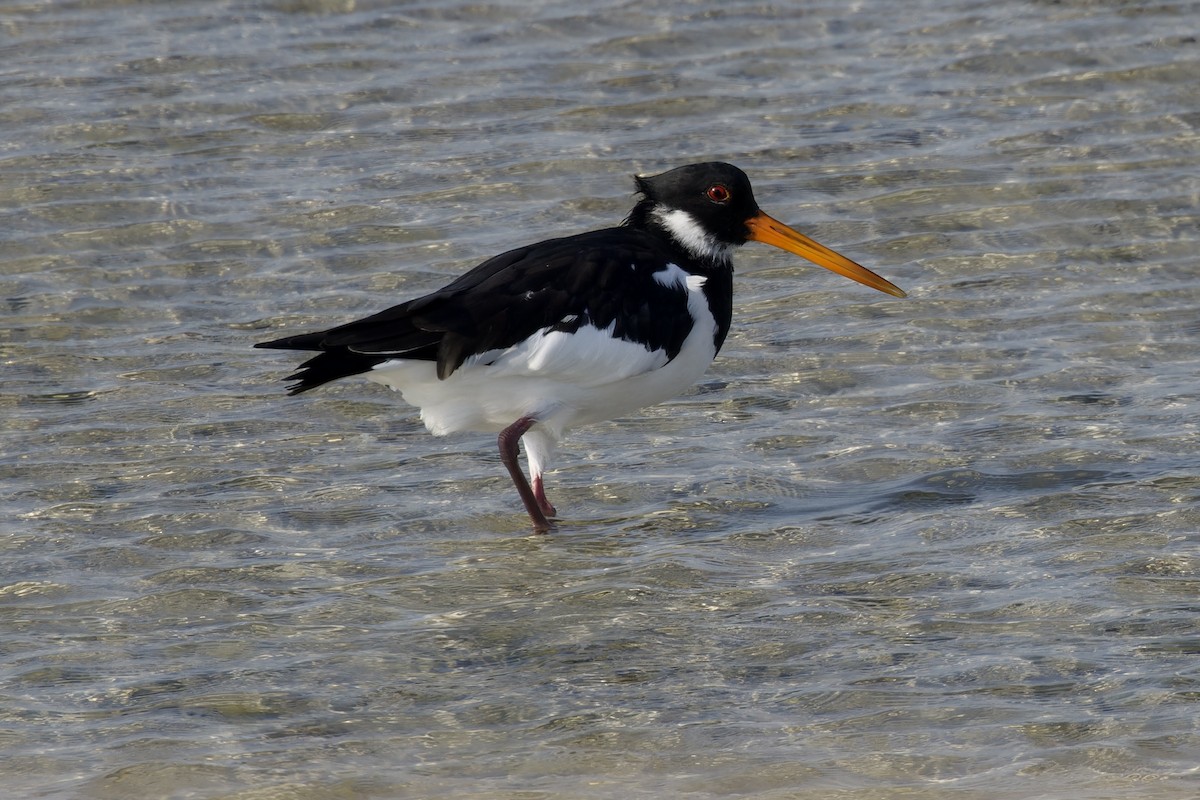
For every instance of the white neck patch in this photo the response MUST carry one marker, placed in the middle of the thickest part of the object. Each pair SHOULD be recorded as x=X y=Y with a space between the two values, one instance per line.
x=684 y=229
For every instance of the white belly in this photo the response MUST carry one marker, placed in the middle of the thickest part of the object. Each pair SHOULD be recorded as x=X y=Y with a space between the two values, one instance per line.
x=564 y=379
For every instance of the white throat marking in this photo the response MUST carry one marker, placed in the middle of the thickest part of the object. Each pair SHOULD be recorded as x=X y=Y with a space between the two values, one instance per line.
x=684 y=229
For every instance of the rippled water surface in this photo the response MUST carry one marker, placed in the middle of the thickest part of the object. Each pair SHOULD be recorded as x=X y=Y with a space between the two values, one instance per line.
x=939 y=547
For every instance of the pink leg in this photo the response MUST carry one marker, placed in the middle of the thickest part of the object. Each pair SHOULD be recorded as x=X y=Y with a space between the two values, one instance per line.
x=534 y=503
x=539 y=494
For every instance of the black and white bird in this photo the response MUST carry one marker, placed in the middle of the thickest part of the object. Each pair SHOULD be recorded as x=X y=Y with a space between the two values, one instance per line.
x=571 y=331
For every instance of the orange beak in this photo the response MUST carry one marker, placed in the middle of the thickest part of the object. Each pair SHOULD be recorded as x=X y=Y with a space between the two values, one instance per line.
x=773 y=232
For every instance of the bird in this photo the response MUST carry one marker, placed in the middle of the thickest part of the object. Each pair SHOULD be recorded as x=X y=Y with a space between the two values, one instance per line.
x=570 y=331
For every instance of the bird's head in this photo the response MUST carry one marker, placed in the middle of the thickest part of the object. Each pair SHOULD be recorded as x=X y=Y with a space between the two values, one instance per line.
x=709 y=209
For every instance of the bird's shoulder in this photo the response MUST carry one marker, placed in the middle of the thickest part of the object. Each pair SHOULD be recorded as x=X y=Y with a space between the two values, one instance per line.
x=598 y=259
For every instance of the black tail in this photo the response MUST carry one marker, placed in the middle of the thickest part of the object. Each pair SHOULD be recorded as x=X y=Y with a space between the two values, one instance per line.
x=328 y=365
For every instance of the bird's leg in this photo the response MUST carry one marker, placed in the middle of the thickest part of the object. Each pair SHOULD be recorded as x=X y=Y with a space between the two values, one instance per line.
x=539 y=494
x=509 y=439
x=540 y=444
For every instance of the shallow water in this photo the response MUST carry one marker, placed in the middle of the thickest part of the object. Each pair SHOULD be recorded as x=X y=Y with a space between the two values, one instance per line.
x=940 y=547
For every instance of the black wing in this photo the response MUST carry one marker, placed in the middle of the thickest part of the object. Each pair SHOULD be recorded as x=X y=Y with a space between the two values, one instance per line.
x=601 y=278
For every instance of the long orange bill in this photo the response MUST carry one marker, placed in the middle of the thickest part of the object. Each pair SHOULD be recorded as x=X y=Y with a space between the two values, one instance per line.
x=768 y=230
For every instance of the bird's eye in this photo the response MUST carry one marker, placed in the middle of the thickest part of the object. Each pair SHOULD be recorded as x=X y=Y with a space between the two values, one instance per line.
x=718 y=193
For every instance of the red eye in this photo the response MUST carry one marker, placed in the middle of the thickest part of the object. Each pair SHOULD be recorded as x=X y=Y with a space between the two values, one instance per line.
x=718 y=193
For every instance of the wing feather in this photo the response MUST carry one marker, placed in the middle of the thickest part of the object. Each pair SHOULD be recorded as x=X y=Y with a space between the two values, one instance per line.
x=596 y=282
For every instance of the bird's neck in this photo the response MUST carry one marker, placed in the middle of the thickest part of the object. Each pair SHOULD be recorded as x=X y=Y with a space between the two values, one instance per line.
x=684 y=232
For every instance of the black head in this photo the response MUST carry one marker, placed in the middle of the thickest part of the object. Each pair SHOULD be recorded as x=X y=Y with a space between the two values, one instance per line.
x=716 y=196
x=708 y=209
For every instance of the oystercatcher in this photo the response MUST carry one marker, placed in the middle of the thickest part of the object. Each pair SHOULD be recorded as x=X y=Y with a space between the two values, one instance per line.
x=570 y=331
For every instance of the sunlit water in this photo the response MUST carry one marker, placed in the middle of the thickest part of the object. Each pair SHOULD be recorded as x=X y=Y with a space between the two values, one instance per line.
x=940 y=547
